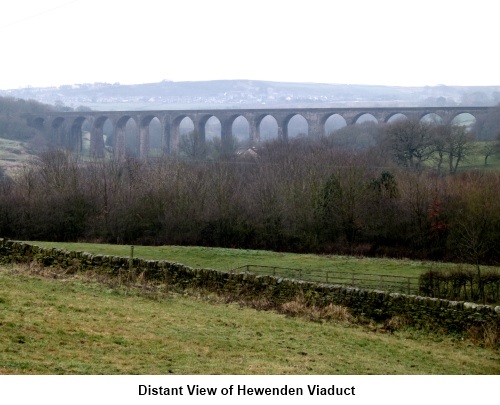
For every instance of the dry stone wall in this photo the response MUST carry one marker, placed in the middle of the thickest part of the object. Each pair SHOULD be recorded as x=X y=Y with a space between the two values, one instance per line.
x=454 y=316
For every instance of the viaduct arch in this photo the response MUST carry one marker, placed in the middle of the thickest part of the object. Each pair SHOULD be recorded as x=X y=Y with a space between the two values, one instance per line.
x=65 y=128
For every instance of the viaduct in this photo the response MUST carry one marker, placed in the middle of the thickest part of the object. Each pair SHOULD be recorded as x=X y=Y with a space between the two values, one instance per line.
x=64 y=129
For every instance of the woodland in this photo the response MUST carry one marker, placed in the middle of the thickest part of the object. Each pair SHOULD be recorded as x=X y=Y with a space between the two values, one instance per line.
x=399 y=190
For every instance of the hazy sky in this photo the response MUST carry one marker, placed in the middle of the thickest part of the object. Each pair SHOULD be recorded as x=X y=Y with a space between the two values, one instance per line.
x=387 y=42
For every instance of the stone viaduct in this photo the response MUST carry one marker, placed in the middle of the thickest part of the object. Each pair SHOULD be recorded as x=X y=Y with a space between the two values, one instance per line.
x=64 y=129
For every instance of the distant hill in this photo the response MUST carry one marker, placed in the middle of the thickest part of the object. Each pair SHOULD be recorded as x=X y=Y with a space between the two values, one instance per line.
x=252 y=94
x=13 y=154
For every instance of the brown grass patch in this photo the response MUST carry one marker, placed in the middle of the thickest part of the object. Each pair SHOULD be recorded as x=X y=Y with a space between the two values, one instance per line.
x=486 y=335
x=395 y=323
x=331 y=312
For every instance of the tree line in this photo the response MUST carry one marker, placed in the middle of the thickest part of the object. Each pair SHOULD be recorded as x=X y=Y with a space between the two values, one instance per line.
x=400 y=195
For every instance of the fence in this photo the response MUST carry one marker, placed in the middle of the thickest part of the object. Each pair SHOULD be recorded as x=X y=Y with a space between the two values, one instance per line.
x=461 y=284
x=384 y=282
x=282 y=288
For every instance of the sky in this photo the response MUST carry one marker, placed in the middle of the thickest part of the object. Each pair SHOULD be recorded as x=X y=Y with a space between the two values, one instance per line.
x=384 y=42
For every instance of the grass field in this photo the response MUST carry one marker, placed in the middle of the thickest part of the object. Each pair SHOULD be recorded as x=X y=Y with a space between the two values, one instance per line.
x=228 y=259
x=75 y=325
x=363 y=272
x=476 y=159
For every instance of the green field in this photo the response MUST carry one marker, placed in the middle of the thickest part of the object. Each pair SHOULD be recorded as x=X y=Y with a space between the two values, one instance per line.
x=476 y=159
x=228 y=259
x=401 y=276
x=74 y=325
x=473 y=161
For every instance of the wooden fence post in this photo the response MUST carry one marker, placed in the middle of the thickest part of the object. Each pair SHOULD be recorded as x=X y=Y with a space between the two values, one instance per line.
x=131 y=259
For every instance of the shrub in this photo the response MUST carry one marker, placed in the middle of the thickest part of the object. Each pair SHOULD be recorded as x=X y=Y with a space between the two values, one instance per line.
x=462 y=284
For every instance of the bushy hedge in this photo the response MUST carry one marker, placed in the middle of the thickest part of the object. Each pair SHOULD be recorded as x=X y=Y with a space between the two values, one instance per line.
x=465 y=284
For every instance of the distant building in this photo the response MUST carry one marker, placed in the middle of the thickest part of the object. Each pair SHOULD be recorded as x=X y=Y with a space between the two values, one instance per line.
x=248 y=153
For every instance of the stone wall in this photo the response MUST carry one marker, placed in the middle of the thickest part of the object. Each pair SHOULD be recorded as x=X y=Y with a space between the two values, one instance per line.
x=453 y=316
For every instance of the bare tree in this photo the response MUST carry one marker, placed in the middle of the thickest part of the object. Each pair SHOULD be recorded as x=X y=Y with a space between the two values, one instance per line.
x=489 y=148
x=409 y=142
x=192 y=146
x=217 y=149
x=476 y=225
x=452 y=144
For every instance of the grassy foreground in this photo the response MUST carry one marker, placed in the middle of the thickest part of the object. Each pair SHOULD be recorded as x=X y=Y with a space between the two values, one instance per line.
x=76 y=325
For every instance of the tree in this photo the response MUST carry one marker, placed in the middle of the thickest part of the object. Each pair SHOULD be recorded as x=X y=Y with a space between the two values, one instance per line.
x=409 y=142
x=192 y=146
x=384 y=219
x=490 y=148
x=452 y=144
x=475 y=222
x=340 y=204
x=223 y=150
x=354 y=137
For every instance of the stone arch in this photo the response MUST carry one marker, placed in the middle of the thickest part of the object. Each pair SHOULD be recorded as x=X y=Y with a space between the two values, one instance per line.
x=103 y=136
x=57 y=134
x=109 y=133
x=156 y=130
x=465 y=119
x=210 y=126
x=127 y=137
x=150 y=129
x=185 y=125
x=363 y=117
x=396 y=116
x=431 y=118
x=295 y=125
x=38 y=123
x=334 y=122
x=78 y=140
x=181 y=126
x=240 y=129
x=97 y=138
x=267 y=128
x=57 y=122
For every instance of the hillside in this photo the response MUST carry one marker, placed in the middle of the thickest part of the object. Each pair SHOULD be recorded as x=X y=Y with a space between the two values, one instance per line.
x=18 y=141
x=13 y=154
x=251 y=93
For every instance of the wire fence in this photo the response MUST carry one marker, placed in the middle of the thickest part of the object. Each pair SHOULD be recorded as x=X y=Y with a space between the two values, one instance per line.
x=384 y=282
